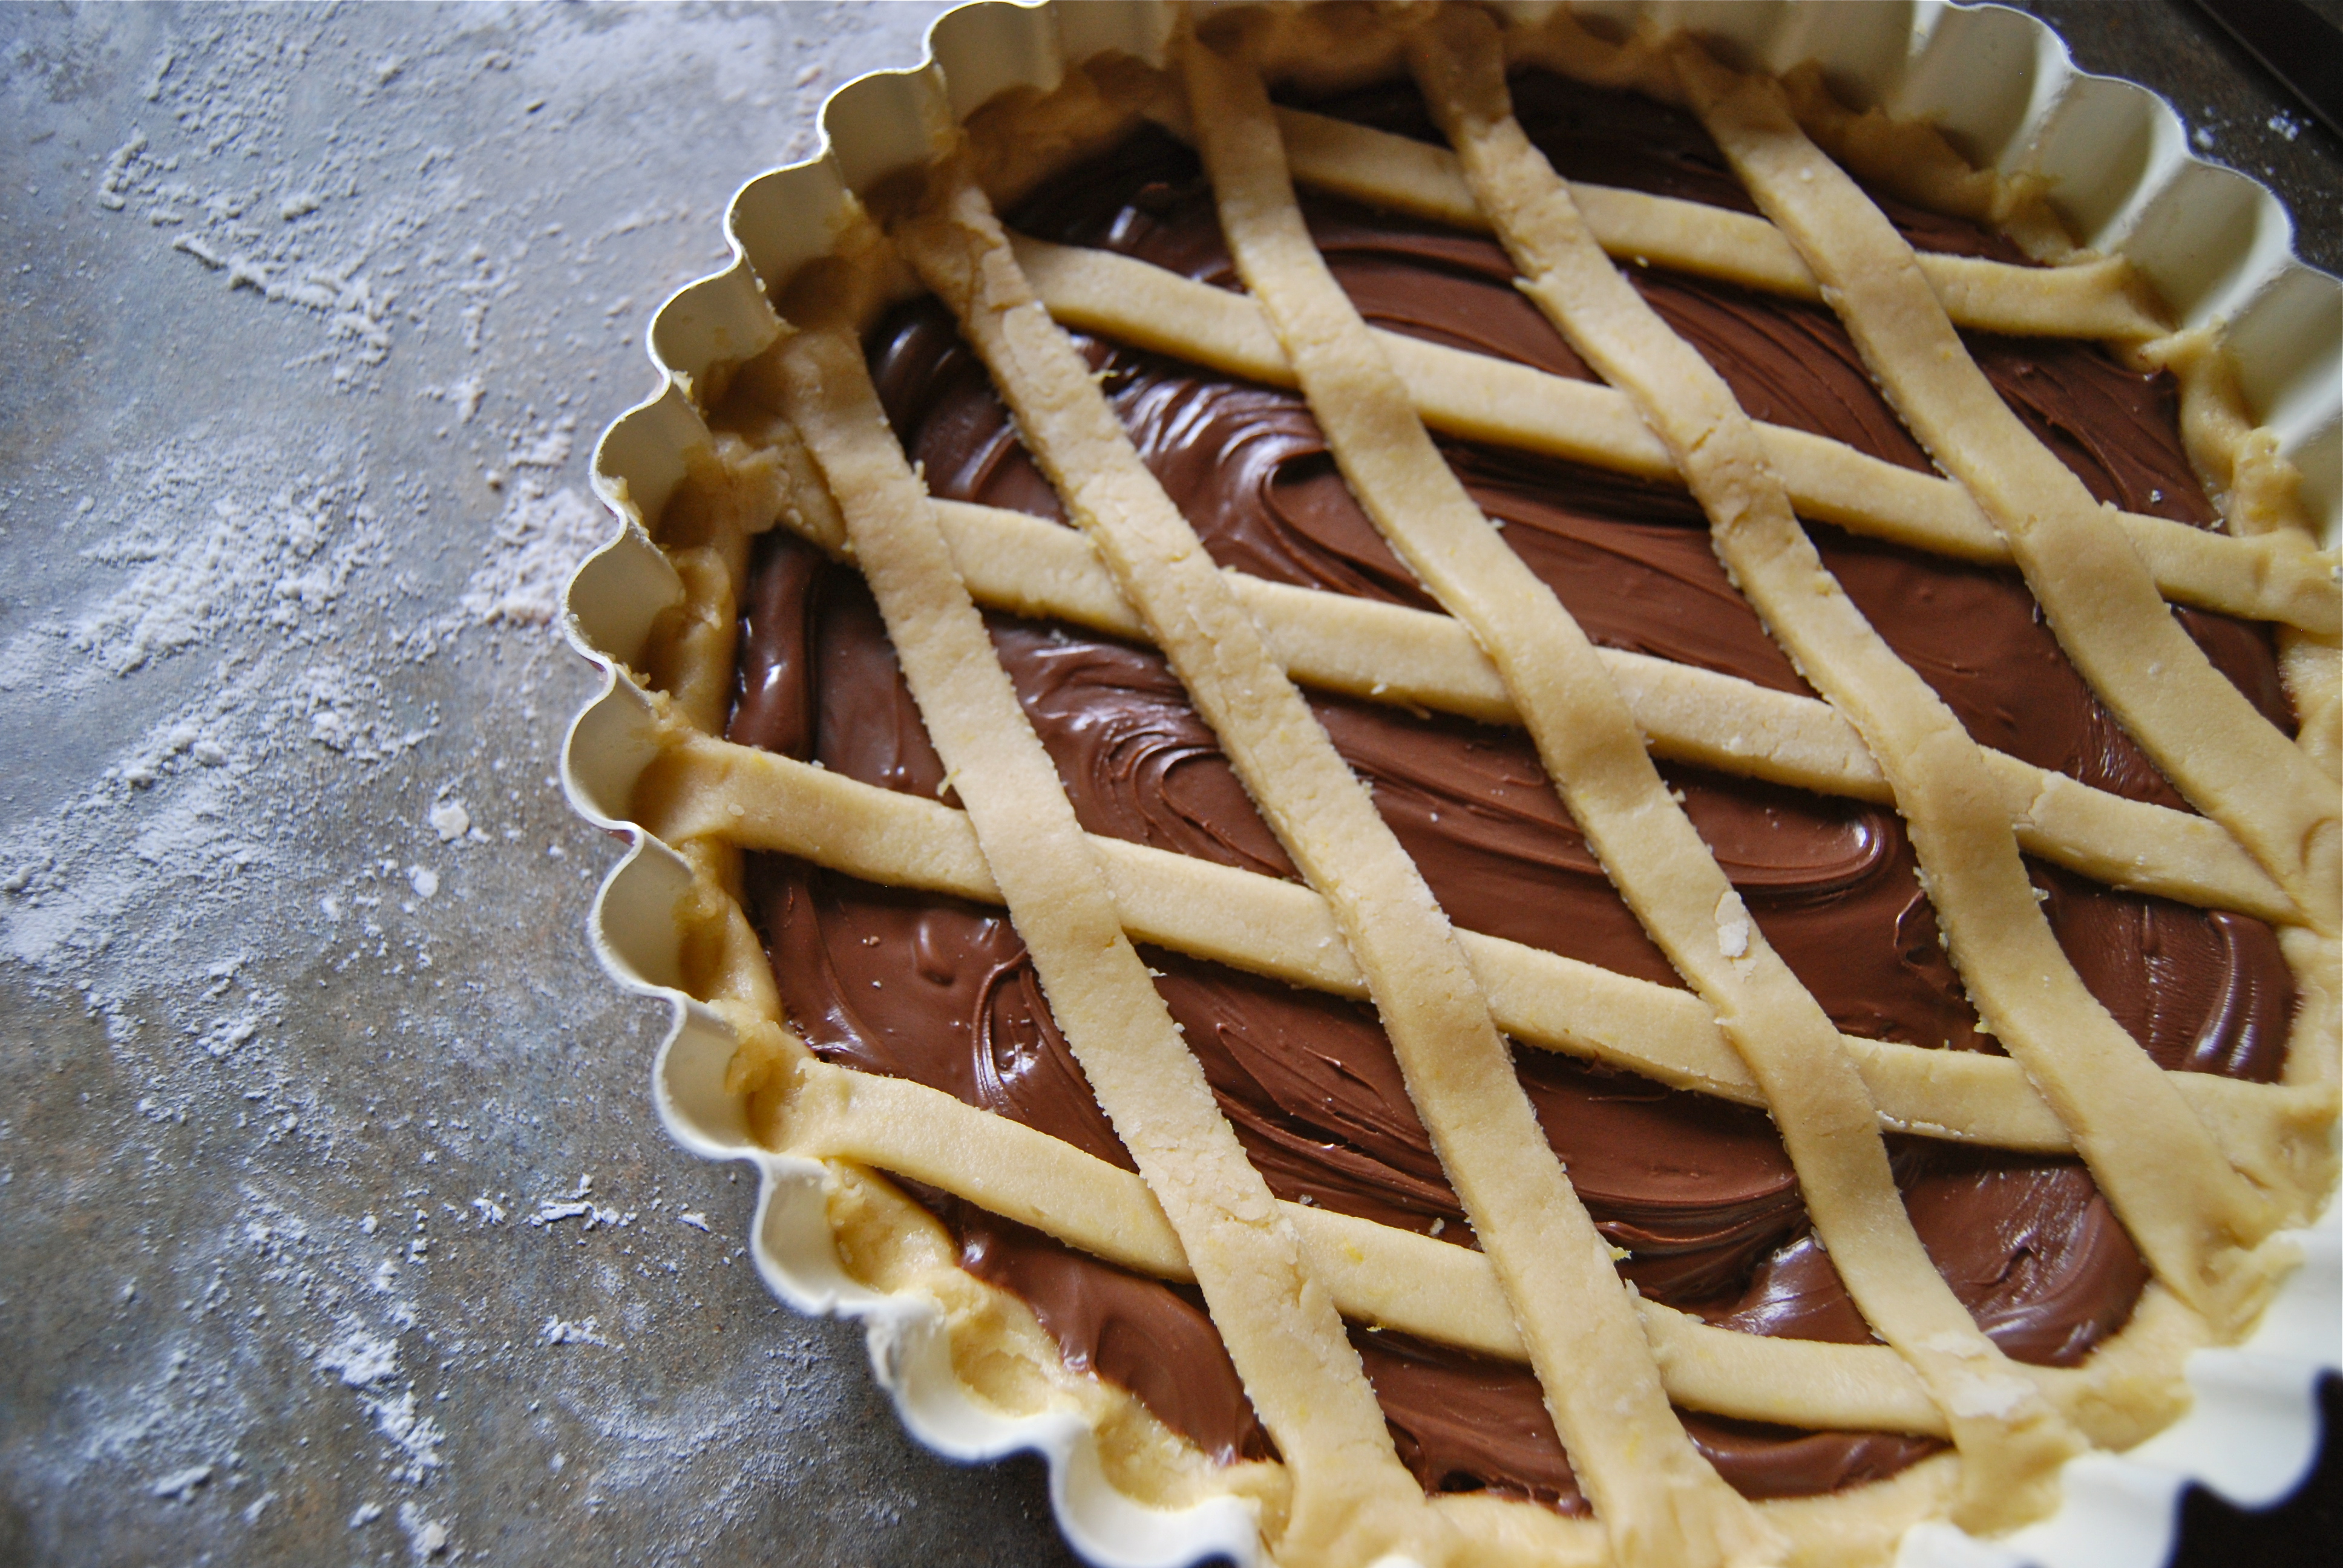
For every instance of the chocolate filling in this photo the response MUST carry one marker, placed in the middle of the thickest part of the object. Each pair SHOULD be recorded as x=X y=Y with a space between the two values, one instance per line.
x=1698 y=1192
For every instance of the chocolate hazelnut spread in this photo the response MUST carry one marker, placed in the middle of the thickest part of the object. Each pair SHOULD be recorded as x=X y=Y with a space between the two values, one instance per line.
x=1698 y=1193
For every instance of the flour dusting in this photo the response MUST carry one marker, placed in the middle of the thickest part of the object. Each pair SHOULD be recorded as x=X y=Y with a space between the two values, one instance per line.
x=307 y=1049
x=539 y=542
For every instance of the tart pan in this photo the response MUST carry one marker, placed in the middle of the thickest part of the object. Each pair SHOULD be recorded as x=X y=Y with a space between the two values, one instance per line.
x=2216 y=244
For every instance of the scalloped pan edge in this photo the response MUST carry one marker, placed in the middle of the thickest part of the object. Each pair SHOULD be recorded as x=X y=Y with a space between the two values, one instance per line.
x=2216 y=243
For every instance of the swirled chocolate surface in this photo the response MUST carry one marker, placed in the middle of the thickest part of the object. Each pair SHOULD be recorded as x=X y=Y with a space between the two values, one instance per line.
x=1700 y=1193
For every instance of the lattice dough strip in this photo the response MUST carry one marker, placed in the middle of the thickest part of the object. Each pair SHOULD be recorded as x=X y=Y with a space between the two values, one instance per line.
x=1653 y=1493
x=1028 y=566
x=2278 y=577
x=1388 y=1277
x=706 y=532
x=2093 y=587
x=2099 y=298
x=2260 y=493
x=1389 y=653
x=1380 y=1275
x=702 y=788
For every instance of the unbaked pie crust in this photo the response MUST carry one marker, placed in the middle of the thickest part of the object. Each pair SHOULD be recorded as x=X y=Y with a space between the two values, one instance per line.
x=2202 y=1170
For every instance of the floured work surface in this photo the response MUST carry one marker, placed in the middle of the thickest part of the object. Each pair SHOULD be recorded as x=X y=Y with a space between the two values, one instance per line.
x=890 y=959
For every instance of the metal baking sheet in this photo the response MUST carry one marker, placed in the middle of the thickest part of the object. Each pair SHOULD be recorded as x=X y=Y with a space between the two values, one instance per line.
x=334 y=1220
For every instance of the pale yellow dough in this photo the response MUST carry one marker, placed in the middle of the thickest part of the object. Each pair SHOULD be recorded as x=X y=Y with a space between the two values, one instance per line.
x=800 y=442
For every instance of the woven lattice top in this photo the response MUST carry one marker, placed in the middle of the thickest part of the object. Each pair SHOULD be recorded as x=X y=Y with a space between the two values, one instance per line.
x=2199 y=1167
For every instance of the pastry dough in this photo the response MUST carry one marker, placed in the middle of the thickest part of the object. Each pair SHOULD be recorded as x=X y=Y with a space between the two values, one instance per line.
x=2223 y=1163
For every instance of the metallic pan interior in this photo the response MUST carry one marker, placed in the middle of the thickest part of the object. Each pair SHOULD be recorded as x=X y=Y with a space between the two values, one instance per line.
x=2217 y=245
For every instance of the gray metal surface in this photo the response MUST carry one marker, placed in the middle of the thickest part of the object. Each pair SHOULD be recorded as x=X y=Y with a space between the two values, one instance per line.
x=2237 y=113
x=310 y=319
x=334 y=1221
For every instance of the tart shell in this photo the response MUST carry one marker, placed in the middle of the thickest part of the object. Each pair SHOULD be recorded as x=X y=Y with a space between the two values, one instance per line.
x=2216 y=245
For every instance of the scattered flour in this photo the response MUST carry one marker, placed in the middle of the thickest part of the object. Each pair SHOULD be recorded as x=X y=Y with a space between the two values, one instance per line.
x=201 y=553
x=360 y=1359
x=553 y=1211
x=449 y=819
x=560 y=1332
x=426 y=1537
x=305 y=639
x=181 y=1486
x=297 y=231
x=1733 y=926
x=538 y=541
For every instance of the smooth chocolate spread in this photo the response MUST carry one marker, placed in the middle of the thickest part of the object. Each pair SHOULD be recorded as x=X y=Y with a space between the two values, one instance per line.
x=1700 y=1193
